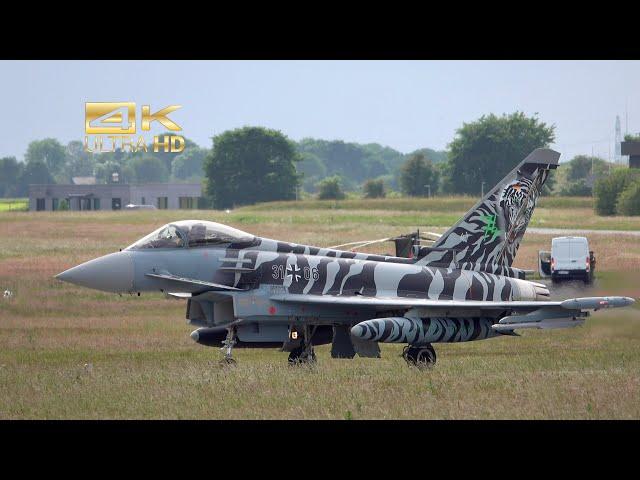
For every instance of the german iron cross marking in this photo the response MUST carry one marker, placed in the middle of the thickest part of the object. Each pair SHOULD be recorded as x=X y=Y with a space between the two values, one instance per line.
x=293 y=272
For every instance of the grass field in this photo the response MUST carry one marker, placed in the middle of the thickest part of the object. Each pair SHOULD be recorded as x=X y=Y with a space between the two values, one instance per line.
x=68 y=352
x=14 y=204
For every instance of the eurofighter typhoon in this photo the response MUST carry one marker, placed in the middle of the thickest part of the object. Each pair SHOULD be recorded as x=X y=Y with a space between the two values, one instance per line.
x=247 y=291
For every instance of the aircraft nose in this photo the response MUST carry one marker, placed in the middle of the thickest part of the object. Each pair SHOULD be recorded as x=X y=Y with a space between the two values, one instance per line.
x=111 y=273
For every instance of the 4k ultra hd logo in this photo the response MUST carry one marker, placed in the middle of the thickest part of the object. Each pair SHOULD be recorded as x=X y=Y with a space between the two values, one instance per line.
x=110 y=126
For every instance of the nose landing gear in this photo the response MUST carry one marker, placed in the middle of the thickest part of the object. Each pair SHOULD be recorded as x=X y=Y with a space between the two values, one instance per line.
x=422 y=356
x=228 y=343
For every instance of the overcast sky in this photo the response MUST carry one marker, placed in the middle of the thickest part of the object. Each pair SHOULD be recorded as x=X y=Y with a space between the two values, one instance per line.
x=403 y=104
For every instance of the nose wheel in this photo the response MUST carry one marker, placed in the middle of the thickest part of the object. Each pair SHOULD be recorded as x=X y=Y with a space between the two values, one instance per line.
x=423 y=356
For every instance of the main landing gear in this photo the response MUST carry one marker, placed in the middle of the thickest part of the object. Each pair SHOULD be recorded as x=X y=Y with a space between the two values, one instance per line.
x=421 y=356
x=228 y=343
x=304 y=353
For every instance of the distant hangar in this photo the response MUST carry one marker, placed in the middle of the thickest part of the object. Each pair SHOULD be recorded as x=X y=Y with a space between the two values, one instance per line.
x=113 y=196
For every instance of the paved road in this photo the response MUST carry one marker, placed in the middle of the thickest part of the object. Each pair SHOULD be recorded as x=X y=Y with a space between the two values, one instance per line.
x=567 y=231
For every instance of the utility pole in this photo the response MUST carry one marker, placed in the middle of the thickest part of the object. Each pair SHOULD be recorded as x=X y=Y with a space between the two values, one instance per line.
x=482 y=190
x=626 y=116
x=618 y=141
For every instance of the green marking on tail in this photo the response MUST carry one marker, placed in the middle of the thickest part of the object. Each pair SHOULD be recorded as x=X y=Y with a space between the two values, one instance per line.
x=490 y=229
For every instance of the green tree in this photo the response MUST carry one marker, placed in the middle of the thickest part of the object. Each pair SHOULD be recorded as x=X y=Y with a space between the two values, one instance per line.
x=167 y=157
x=576 y=177
x=375 y=167
x=50 y=152
x=436 y=156
x=311 y=169
x=443 y=172
x=104 y=172
x=249 y=165
x=149 y=169
x=584 y=166
x=189 y=164
x=330 y=189
x=79 y=163
x=607 y=189
x=354 y=162
x=35 y=172
x=374 y=189
x=487 y=149
x=418 y=176
x=10 y=170
x=629 y=200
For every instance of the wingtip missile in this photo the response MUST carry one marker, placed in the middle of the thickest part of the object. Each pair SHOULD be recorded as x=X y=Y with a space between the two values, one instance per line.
x=596 y=303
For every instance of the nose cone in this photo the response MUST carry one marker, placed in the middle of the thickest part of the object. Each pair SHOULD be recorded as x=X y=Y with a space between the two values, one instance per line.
x=358 y=331
x=195 y=336
x=111 y=273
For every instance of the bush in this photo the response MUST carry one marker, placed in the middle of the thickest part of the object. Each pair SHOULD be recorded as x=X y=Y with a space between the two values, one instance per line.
x=608 y=189
x=578 y=188
x=330 y=189
x=374 y=189
x=63 y=205
x=629 y=200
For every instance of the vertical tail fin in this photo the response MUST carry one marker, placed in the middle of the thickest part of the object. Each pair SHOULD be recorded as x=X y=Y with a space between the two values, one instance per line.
x=488 y=236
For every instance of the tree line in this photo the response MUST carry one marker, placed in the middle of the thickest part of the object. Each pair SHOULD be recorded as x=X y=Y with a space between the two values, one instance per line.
x=482 y=152
x=49 y=161
x=256 y=164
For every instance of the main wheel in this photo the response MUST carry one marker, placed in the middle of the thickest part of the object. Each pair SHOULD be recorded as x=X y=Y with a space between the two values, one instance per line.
x=426 y=357
x=298 y=355
x=421 y=357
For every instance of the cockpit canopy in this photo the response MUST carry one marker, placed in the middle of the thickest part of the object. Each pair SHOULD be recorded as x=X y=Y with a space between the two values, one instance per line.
x=191 y=233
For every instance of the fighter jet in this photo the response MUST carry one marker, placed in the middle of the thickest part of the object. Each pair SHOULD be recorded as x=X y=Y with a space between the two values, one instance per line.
x=247 y=291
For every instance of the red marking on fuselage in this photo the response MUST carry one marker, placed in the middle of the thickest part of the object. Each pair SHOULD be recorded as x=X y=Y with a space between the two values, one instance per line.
x=272 y=310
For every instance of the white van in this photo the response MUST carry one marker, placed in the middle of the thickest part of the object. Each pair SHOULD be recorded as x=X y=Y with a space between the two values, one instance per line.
x=571 y=259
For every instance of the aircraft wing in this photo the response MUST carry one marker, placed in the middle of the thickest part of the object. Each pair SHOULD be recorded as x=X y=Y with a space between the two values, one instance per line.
x=386 y=303
x=524 y=314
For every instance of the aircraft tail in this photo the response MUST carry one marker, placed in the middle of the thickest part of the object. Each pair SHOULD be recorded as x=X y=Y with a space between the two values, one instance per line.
x=487 y=237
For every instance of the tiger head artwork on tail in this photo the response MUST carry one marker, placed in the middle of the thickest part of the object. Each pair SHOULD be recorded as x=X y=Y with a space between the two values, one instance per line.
x=487 y=237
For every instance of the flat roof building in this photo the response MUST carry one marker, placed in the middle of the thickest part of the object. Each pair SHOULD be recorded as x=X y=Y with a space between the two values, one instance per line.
x=114 y=196
x=633 y=150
